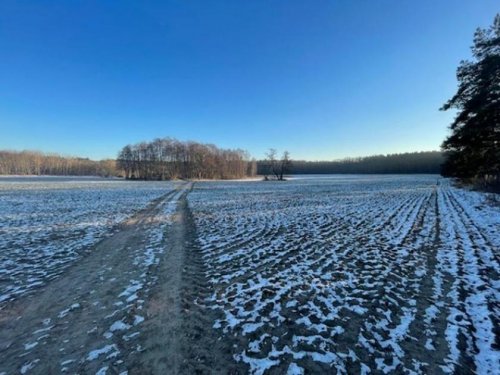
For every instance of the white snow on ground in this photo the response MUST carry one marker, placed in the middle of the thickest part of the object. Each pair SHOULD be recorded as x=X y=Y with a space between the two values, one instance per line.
x=131 y=300
x=46 y=224
x=122 y=324
x=94 y=354
x=65 y=312
x=28 y=366
x=388 y=273
x=119 y=326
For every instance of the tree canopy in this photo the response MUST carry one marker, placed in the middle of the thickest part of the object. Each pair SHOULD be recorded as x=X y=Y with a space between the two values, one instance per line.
x=168 y=158
x=415 y=162
x=473 y=147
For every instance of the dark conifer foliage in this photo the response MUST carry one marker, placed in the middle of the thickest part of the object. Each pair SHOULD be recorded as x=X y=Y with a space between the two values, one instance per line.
x=473 y=148
x=415 y=162
x=167 y=158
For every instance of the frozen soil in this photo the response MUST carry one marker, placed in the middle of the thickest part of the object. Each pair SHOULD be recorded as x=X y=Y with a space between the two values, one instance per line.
x=127 y=306
x=177 y=335
x=360 y=274
x=346 y=275
x=46 y=225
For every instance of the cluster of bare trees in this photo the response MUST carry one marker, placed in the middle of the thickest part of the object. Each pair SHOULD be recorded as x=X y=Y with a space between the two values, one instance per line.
x=38 y=163
x=167 y=158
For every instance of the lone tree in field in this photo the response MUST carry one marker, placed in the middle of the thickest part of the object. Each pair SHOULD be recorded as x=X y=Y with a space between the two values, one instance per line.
x=271 y=164
x=473 y=148
x=276 y=167
x=285 y=164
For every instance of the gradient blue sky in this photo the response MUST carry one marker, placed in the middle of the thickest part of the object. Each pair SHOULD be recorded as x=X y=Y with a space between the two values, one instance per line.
x=323 y=79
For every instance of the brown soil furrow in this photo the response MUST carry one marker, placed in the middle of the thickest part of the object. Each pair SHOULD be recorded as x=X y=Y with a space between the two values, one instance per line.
x=178 y=335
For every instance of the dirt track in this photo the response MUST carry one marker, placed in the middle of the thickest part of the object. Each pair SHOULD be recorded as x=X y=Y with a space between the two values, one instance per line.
x=108 y=313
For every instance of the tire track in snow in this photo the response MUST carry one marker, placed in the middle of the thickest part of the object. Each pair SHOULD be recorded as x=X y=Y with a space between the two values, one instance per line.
x=89 y=318
x=178 y=337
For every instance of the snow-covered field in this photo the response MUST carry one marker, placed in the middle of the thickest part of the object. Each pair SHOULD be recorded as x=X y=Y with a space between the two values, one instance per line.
x=46 y=223
x=331 y=274
x=384 y=273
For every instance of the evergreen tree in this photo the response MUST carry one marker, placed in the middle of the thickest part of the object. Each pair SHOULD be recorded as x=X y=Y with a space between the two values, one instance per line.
x=473 y=148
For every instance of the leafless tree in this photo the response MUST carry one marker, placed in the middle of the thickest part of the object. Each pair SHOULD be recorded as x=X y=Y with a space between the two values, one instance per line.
x=284 y=165
x=276 y=168
x=37 y=163
x=270 y=164
x=169 y=159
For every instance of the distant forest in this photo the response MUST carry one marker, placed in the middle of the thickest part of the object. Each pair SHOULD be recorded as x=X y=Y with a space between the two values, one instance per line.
x=38 y=163
x=407 y=163
x=167 y=158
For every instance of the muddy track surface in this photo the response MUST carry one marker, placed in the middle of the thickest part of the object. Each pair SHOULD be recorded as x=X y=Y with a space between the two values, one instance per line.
x=128 y=306
x=178 y=334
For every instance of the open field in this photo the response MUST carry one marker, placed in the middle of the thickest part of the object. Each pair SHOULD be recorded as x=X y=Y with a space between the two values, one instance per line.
x=355 y=273
x=48 y=223
x=345 y=274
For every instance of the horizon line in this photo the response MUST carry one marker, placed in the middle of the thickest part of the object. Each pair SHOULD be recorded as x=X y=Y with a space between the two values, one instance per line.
x=63 y=155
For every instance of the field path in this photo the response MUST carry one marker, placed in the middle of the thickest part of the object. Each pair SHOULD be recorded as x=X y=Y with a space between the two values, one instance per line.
x=178 y=334
x=92 y=318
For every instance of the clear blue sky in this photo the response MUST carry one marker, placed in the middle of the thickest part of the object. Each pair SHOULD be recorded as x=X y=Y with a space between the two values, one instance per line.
x=323 y=79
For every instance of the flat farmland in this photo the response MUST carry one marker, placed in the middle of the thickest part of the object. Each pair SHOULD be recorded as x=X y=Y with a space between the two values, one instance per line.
x=353 y=274
x=47 y=223
x=324 y=274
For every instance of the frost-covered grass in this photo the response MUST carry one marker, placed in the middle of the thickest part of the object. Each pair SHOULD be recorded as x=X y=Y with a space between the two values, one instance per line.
x=384 y=273
x=47 y=223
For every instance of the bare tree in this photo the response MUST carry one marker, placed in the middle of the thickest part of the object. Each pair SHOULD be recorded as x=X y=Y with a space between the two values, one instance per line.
x=276 y=168
x=285 y=164
x=37 y=163
x=271 y=164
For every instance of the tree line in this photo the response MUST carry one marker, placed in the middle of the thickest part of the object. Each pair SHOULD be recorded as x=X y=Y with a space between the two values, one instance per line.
x=168 y=158
x=473 y=147
x=39 y=163
x=407 y=163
